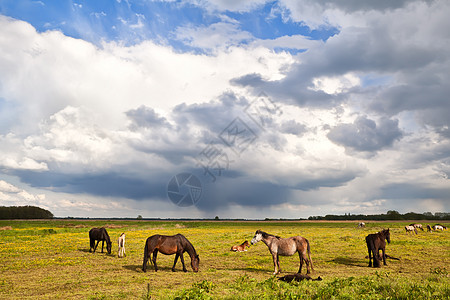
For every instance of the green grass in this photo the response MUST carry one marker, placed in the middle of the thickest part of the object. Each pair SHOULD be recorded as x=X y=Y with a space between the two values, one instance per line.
x=50 y=260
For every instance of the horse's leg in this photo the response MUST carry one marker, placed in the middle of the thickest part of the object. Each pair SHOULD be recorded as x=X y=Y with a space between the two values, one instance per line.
x=384 y=256
x=182 y=262
x=278 y=264
x=103 y=242
x=376 y=257
x=175 y=261
x=155 y=254
x=96 y=245
x=301 y=262
x=275 y=263
x=307 y=262
x=370 y=254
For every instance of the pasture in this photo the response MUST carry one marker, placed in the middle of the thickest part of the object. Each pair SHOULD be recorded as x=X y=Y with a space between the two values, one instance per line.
x=51 y=260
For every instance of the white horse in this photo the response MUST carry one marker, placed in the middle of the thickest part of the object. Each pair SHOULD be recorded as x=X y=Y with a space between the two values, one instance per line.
x=361 y=225
x=439 y=227
x=410 y=228
x=121 y=244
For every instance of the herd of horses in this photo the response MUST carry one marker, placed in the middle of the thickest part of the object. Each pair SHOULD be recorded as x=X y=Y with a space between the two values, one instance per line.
x=413 y=227
x=178 y=244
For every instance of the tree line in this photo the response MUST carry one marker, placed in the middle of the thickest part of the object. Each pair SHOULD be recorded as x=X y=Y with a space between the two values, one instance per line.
x=390 y=215
x=24 y=212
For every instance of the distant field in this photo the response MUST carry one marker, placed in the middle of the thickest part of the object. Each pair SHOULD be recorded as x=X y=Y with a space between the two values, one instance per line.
x=50 y=260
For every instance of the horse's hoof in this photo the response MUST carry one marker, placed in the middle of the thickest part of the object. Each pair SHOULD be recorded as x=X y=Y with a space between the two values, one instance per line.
x=173 y=270
x=184 y=270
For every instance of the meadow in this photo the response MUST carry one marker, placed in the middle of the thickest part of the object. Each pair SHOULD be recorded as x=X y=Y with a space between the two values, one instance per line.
x=51 y=260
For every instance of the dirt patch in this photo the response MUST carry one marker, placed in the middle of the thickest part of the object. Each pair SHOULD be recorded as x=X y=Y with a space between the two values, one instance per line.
x=179 y=226
x=114 y=226
x=6 y=228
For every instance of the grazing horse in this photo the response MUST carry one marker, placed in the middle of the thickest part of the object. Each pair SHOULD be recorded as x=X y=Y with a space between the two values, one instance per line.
x=298 y=277
x=439 y=227
x=409 y=228
x=99 y=234
x=121 y=246
x=418 y=226
x=428 y=228
x=168 y=245
x=285 y=247
x=241 y=247
x=361 y=225
x=375 y=242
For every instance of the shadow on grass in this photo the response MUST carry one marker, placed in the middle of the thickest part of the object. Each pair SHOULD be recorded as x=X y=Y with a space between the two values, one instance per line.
x=151 y=269
x=348 y=261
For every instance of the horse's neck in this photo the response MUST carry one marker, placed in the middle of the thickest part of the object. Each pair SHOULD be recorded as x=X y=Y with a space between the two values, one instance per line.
x=189 y=248
x=268 y=241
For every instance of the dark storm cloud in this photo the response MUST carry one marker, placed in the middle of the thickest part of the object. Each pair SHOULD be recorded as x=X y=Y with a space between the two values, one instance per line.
x=365 y=135
x=409 y=191
x=104 y=185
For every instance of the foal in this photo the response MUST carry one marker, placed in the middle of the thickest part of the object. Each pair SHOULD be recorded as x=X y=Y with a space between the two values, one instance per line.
x=375 y=242
x=241 y=247
x=121 y=246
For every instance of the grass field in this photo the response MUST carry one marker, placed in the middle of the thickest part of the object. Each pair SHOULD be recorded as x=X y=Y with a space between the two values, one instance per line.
x=51 y=260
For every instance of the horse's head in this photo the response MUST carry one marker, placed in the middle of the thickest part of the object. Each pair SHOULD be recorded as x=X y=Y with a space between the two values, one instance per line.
x=388 y=236
x=108 y=246
x=258 y=236
x=195 y=262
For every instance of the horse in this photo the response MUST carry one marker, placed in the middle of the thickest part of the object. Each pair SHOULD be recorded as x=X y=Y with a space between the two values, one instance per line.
x=409 y=228
x=429 y=228
x=99 y=234
x=439 y=227
x=418 y=226
x=121 y=246
x=375 y=242
x=361 y=225
x=285 y=247
x=168 y=245
x=298 y=277
x=241 y=247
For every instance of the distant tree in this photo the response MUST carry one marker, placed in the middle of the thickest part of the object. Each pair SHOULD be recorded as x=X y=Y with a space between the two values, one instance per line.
x=216 y=218
x=139 y=217
x=24 y=212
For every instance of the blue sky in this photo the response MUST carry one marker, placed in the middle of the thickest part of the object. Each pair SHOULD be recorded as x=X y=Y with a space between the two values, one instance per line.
x=281 y=109
x=131 y=22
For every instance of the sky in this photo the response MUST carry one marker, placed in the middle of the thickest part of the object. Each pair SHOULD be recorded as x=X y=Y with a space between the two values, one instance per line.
x=238 y=109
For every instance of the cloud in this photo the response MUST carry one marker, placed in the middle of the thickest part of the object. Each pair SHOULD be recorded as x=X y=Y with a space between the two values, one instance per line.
x=366 y=135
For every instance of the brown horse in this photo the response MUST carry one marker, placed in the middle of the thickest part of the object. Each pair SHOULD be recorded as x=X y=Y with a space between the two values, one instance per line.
x=168 y=245
x=285 y=247
x=241 y=247
x=376 y=242
x=99 y=234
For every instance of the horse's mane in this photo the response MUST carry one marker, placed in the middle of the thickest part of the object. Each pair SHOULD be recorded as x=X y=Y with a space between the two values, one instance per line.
x=188 y=243
x=266 y=235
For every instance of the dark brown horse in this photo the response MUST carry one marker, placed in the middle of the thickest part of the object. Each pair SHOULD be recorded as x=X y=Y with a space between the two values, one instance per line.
x=376 y=242
x=285 y=247
x=99 y=234
x=168 y=245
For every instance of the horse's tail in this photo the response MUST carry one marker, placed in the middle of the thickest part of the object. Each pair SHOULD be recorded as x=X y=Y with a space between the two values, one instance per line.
x=144 y=265
x=308 y=248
